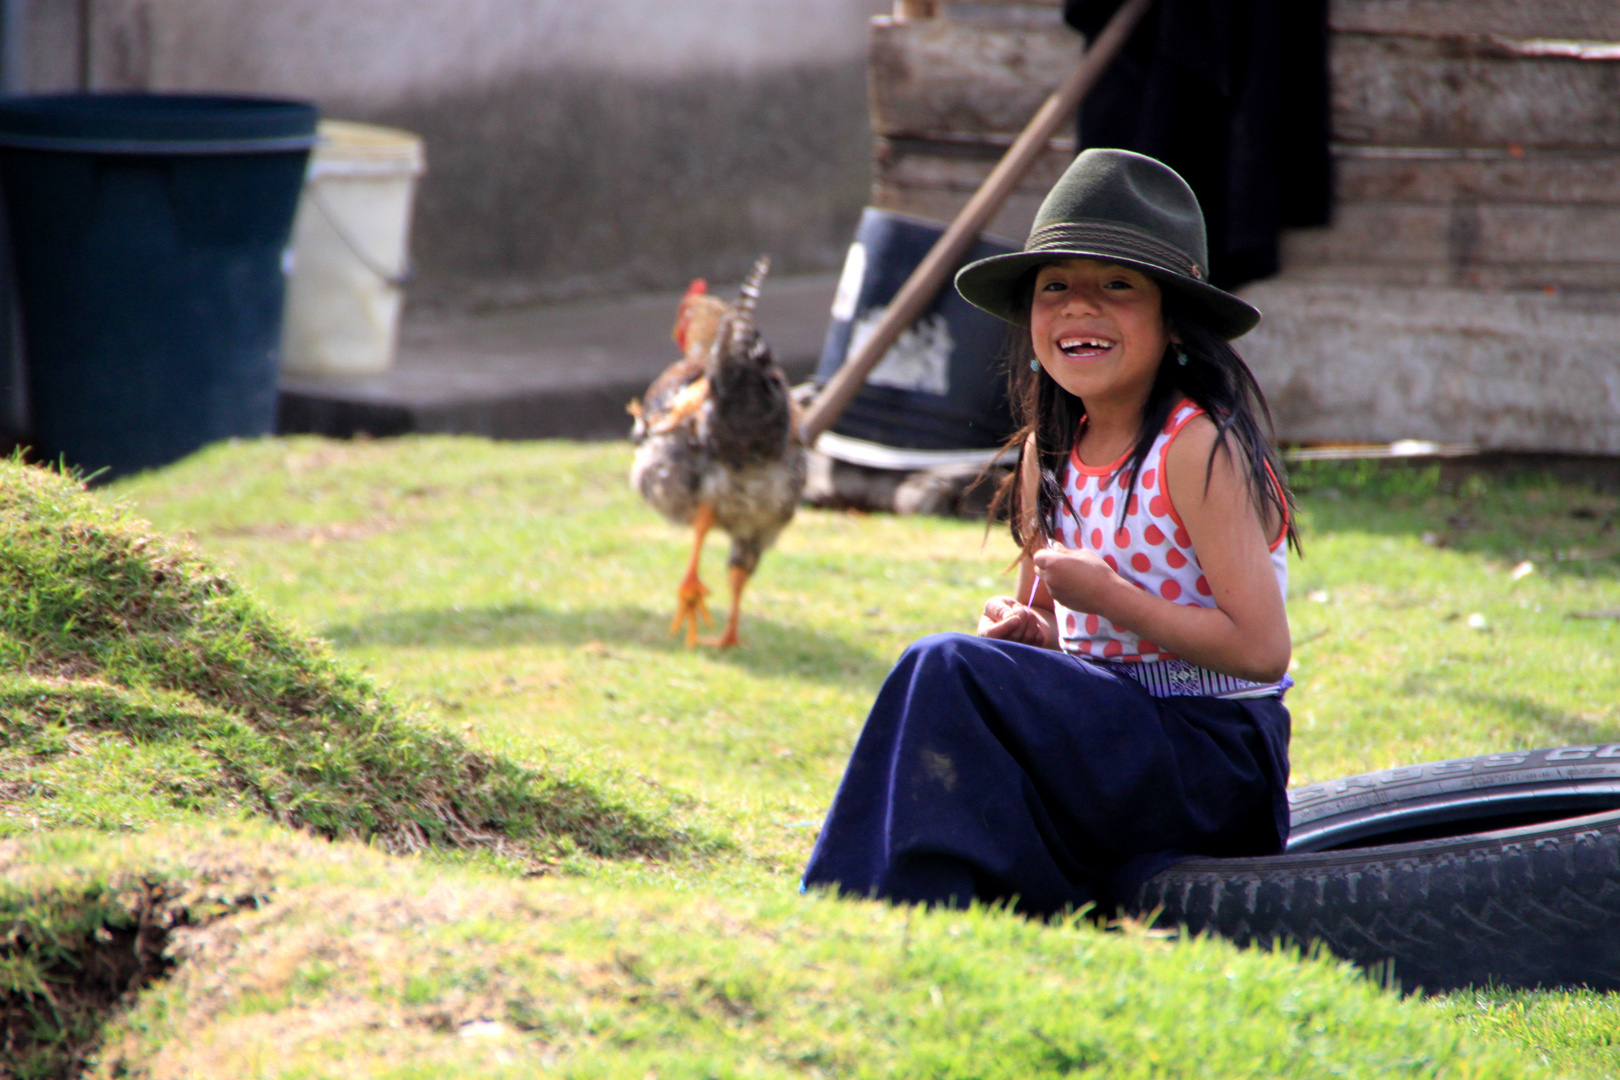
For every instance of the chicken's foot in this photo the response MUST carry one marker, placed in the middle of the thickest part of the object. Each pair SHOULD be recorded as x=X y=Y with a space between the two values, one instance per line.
x=690 y=595
x=739 y=579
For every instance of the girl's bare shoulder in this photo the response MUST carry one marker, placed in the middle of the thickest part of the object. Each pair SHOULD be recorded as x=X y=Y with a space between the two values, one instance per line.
x=1188 y=461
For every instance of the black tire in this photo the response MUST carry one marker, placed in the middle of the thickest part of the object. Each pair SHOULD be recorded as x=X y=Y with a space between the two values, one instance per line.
x=1532 y=905
x=1456 y=797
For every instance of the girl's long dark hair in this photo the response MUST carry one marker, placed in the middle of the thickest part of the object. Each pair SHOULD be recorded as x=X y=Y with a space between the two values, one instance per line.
x=1214 y=377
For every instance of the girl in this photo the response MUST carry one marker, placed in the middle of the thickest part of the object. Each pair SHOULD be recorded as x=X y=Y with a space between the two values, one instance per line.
x=1125 y=708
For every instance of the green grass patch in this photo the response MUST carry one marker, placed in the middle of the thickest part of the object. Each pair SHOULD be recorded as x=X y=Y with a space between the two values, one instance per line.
x=344 y=962
x=138 y=682
x=1434 y=621
x=514 y=599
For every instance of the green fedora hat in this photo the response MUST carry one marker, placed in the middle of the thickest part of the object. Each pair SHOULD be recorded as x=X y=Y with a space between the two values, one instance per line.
x=1119 y=207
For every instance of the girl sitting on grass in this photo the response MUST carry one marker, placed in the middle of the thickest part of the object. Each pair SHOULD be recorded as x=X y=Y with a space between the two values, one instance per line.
x=1125 y=708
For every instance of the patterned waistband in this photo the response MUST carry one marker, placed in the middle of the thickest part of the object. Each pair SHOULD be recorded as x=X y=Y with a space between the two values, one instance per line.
x=1183 y=678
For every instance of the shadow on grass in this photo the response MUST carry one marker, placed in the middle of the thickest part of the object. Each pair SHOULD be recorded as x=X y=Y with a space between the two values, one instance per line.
x=769 y=647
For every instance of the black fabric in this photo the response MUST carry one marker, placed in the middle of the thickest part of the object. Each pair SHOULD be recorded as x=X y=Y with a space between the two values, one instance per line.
x=990 y=771
x=1233 y=95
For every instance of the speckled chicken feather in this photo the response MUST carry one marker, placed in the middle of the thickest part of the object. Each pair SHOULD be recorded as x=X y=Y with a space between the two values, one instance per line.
x=722 y=432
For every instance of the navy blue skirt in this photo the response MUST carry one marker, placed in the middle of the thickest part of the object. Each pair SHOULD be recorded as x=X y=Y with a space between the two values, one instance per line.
x=994 y=771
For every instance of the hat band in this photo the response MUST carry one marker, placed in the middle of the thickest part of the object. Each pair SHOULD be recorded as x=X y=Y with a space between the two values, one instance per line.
x=1121 y=240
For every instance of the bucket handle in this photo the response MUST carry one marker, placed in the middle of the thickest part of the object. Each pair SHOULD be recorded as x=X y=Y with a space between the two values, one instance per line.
x=406 y=273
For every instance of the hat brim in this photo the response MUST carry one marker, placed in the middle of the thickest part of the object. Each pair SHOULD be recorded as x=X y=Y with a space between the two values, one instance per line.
x=996 y=285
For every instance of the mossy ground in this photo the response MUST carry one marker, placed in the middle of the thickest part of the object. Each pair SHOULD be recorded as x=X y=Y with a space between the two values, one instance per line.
x=513 y=599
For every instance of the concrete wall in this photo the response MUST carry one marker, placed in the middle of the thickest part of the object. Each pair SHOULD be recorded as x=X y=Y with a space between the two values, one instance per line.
x=573 y=146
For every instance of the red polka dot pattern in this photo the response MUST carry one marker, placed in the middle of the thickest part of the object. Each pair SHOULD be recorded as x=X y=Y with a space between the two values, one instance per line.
x=1140 y=544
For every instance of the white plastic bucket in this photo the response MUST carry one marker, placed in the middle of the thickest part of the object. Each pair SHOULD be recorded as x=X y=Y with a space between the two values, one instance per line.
x=350 y=251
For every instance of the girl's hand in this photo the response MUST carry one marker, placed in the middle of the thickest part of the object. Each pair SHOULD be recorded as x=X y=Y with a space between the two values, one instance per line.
x=1007 y=620
x=1077 y=578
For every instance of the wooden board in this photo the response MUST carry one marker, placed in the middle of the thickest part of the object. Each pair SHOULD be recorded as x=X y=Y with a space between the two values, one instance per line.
x=1593 y=20
x=961 y=165
x=941 y=76
x=1039 y=13
x=1466 y=233
x=1394 y=91
x=1010 y=224
x=1381 y=174
x=1557 y=278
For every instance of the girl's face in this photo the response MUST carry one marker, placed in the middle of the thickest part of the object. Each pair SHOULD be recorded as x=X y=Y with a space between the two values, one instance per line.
x=1098 y=330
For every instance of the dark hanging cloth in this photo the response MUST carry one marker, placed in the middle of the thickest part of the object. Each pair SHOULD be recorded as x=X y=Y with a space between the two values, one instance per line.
x=1233 y=95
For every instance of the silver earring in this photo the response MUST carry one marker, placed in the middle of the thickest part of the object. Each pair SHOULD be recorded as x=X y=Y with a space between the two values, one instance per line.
x=1035 y=365
x=1181 y=357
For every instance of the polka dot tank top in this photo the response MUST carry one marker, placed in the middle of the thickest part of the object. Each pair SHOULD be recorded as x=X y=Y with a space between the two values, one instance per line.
x=1150 y=548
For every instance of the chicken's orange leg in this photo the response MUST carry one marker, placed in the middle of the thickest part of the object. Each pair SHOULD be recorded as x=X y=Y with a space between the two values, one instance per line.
x=691 y=593
x=739 y=578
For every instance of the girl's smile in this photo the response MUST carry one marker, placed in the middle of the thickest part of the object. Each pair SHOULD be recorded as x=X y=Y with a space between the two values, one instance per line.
x=1086 y=346
x=1098 y=329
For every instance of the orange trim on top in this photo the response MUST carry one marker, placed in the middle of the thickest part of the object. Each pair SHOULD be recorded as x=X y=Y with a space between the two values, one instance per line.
x=1282 y=501
x=1094 y=470
x=1164 y=482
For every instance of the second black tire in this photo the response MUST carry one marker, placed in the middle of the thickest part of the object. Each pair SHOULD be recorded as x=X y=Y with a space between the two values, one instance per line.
x=1501 y=869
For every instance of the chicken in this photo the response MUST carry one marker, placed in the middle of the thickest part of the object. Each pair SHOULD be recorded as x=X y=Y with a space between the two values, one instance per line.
x=717 y=444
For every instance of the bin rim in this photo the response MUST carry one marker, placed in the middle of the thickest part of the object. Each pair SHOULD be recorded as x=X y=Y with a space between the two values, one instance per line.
x=147 y=123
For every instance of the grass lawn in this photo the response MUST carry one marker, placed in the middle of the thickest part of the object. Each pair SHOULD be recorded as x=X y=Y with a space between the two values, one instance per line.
x=519 y=596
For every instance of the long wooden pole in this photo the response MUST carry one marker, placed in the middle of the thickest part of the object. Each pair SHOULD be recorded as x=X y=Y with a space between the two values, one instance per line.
x=925 y=281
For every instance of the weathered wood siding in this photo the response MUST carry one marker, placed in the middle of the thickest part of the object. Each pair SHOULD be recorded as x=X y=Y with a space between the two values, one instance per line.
x=1393 y=90
x=1468 y=288
x=949 y=95
x=1589 y=20
x=963 y=79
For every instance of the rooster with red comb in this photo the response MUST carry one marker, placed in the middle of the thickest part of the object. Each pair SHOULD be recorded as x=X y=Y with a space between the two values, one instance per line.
x=717 y=444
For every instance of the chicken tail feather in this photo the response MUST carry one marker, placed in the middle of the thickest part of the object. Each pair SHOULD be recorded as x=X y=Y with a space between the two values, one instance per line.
x=750 y=286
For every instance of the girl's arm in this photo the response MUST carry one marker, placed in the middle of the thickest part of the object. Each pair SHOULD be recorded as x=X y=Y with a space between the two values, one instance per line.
x=1246 y=633
x=1028 y=617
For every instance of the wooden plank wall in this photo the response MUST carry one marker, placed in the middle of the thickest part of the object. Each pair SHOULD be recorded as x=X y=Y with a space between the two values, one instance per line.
x=1462 y=157
x=949 y=94
x=1477 y=151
